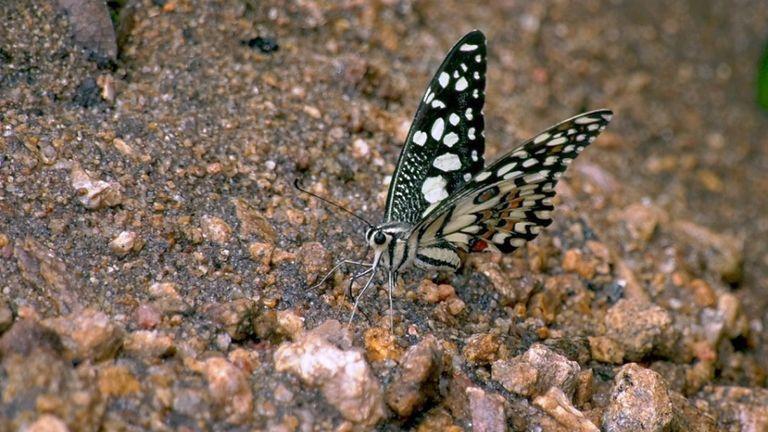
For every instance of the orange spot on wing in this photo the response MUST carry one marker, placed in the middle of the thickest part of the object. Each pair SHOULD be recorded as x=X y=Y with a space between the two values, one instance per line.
x=478 y=246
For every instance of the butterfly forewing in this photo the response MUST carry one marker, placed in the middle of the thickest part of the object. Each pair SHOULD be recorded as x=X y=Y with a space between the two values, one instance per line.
x=509 y=202
x=445 y=144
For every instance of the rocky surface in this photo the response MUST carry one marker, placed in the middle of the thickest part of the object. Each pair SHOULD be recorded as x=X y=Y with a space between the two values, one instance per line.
x=157 y=267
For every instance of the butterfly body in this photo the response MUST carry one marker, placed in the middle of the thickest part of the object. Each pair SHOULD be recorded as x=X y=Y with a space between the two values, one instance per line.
x=393 y=245
x=443 y=201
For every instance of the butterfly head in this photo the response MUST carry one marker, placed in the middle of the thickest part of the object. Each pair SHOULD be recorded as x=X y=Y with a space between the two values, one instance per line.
x=377 y=238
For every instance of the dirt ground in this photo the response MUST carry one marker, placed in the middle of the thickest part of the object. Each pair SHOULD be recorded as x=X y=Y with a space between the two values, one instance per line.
x=157 y=265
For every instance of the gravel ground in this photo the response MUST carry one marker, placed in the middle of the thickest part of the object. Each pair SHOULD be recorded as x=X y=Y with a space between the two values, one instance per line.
x=156 y=260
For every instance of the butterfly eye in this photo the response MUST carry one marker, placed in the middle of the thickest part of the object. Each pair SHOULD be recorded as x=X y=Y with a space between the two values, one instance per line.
x=379 y=238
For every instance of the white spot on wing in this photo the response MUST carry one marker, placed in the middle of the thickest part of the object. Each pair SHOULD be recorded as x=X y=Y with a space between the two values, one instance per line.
x=468 y=114
x=471 y=229
x=433 y=189
x=443 y=79
x=451 y=139
x=437 y=129
x=471 y=133
x=458 y=238
x=461 y=84
x=541 y=138
x=454 y=119
x=506 y=168
x=585 y=120
x=437 y=103
x=427 y=94
x=557 y=141
x=467 y=47
x=520 y=227
x=474 y=155
x=482 y=176
x=429 y=209
x=447 y=162
x=420 y=138
x=499 y=238
x=430 y=96
x=517 y=242
x=535 y=177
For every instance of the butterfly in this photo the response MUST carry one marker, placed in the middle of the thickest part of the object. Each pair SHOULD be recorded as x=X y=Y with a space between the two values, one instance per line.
x=443 y=201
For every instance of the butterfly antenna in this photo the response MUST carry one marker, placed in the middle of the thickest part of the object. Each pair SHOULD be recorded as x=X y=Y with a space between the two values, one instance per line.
x=297 y=185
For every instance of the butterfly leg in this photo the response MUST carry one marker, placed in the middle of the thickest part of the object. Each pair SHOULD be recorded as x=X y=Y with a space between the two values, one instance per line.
x=336 y=267
x=360 y=295
x=352 y=280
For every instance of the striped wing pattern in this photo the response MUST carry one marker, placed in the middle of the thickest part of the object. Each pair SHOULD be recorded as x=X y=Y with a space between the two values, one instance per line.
x=445 y=145
x=509 y=202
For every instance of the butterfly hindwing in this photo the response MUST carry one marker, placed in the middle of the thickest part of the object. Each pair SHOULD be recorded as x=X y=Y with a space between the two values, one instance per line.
x=509 y=202
x=445 y=144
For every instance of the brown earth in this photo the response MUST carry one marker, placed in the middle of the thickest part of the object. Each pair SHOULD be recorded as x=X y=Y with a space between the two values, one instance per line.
x=155 y=260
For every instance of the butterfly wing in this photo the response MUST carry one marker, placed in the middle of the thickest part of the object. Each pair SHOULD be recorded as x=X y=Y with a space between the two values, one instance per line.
x=509 y=202
x=445 y=144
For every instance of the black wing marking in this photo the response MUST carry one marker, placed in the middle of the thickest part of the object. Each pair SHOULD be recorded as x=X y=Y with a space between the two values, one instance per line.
x=445 y=144
x=509 y=202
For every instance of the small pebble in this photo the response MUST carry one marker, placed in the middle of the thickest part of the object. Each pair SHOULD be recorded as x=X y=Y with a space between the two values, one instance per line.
x=215 y=229
x=47 y=423
x=360 y=149
x=536 y=370
x=418 y=379
x=87 y=335
x=94 y=194
x=639 y=401
x=482 y=348
x=124 y=243
x=380 y=345
x=230 y=390
x=555 y=403
x=148 y=344
x=315 y=260
x=342 y=374
x=639 y=328
x=486 y=410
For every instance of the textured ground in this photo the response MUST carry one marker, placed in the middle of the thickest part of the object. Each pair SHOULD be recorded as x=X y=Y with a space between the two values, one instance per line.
x=155 y=259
